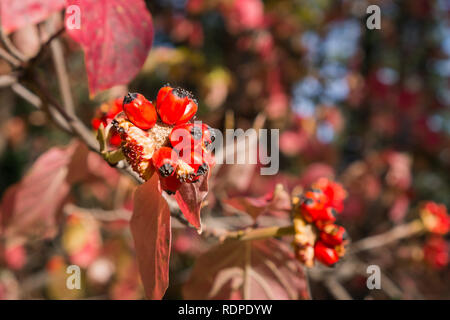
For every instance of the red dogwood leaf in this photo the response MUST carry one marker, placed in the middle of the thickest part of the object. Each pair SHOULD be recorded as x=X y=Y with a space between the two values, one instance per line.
x=262 y=269
x=116 y=36
x=150 y=226
x=29 y=208
x=190 y=197
x=17 y=14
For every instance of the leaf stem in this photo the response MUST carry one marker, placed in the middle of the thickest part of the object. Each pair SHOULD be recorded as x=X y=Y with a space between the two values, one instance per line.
x=259 y=233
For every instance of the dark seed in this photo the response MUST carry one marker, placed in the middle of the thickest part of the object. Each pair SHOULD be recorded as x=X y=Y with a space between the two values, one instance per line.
x=333 y=212
x=129 y=97
x=182 y=93
x=202 y=169
x=166 y=170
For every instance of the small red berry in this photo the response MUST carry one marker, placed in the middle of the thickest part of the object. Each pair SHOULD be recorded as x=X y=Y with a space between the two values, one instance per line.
x=313 y=204
x=165 y=161
x=115 y=139
x=139 y=111
x=325 y=216
x=191 y=135
x=326 y=255
x=436 y=252
x=333 y=235
x=197 y=163
x=170 y=184
x=435 y=217
x=96 y=122
x=334 y=192
x=175 y=105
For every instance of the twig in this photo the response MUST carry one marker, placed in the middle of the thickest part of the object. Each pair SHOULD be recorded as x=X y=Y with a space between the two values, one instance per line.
x=63 y=78
x=258 y=233
x=12 y=50
x=7 y=80
x=9 y=58
x=397 y=233
x=34 y=100
x=336 y=289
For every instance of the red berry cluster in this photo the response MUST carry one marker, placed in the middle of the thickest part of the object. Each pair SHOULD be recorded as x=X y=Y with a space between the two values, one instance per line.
x=160 y=138
x=104 y=115
x=436 y=220
x=436 y=252
x=314 y=215
x=435 y=217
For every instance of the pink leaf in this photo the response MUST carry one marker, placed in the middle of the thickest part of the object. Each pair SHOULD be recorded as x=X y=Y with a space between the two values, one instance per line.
x=19 y=13
x=263 y=269
x=29 y=208
x=116 y=36
x=150 y=226
x=190 y=197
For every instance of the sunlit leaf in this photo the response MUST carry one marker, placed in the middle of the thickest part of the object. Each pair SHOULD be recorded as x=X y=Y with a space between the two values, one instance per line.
x=116 y=36
x=263 y=269
x=150 y=226
x=190 y=197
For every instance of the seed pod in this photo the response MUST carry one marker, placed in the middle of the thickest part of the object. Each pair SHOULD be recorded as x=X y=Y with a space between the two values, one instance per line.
x=139 y=111
x=333 y=235
x=313 y=205
x=326 y=255
x=194 y=136
x=175 y=105
x=138 y=145
x=165 y=161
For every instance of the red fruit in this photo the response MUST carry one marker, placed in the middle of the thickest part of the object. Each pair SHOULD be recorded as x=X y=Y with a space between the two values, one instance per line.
x=162 y=93
x=191 y=135
x=165 y=161
x=115 y=139
x=175 y=106
x=333 y=235
x=325 y=216
x=313 y=204
x=139 y=111
x=96 y=122
x=435 y=217
x=326 y=255
x=436 y=252
x=170 y=184
x=198 y=164
x=333 y=191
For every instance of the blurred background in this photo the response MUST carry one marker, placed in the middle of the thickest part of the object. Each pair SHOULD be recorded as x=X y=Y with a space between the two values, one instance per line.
x=370 y=108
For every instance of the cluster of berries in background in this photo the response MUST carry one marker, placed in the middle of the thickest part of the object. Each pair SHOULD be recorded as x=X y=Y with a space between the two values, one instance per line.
x=104 y=115
x=436 y=221
x=160 y=137
x=314 y=215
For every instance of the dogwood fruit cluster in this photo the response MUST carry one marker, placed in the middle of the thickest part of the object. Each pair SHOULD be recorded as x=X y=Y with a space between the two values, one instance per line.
x=161 y=137
x=317 y=237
